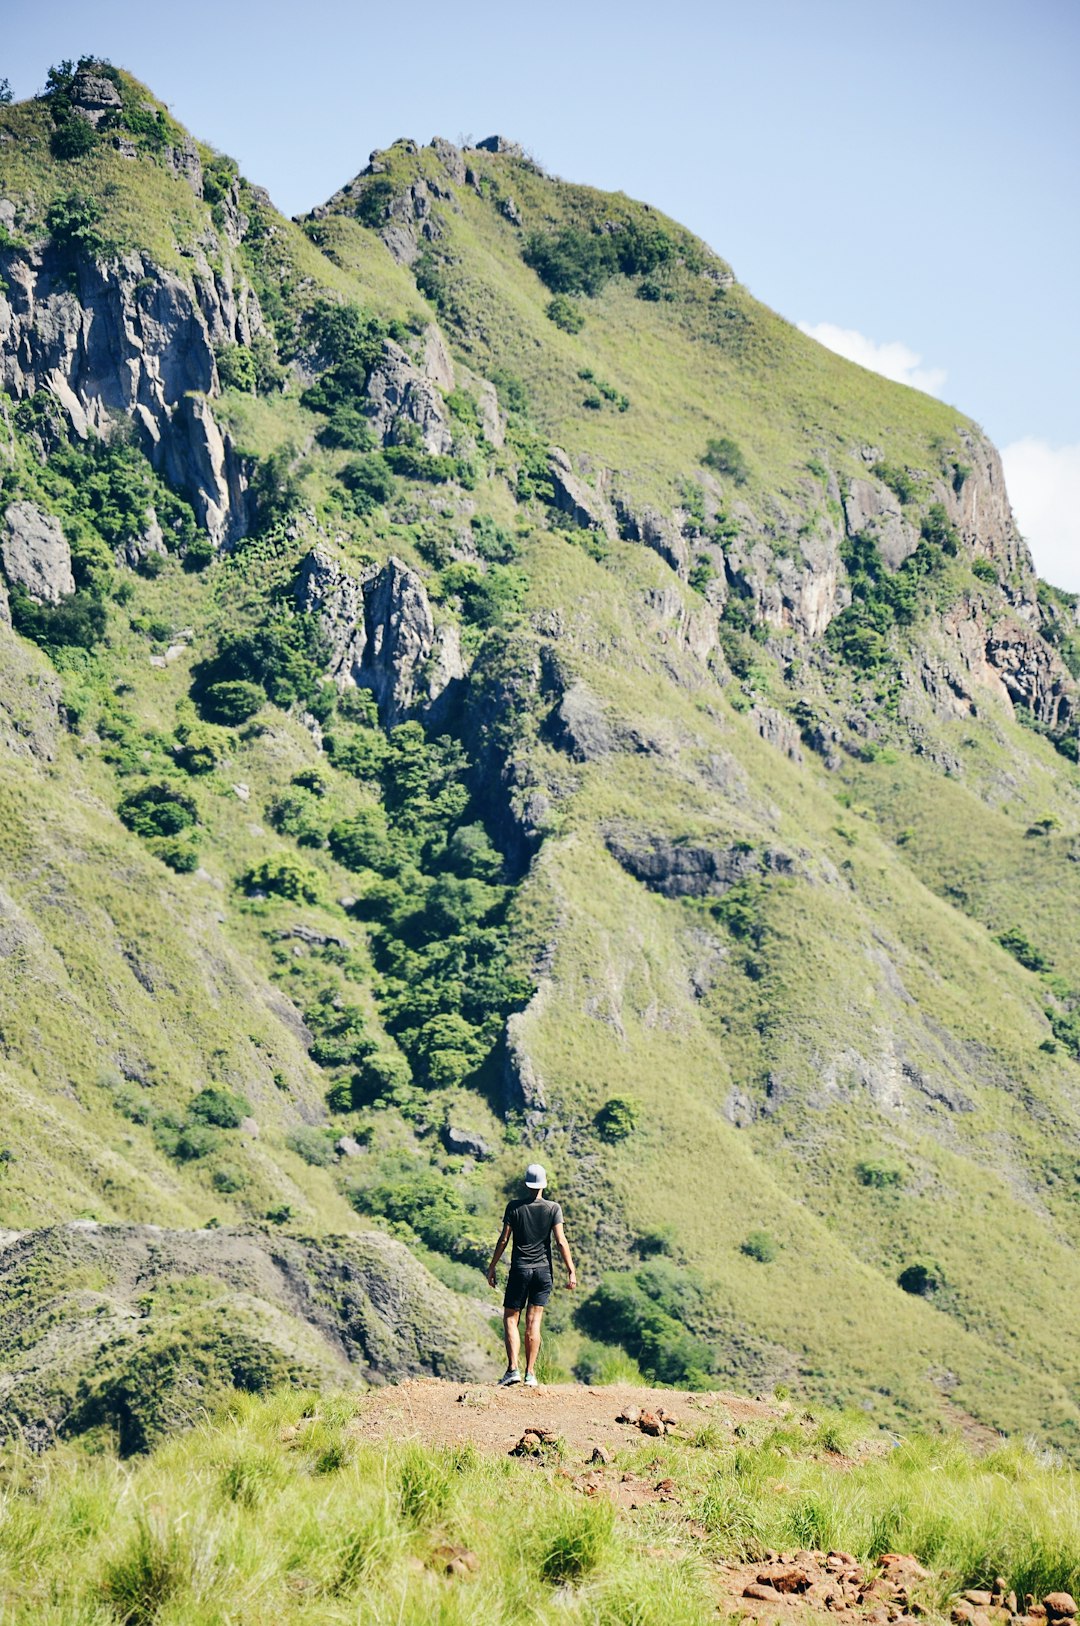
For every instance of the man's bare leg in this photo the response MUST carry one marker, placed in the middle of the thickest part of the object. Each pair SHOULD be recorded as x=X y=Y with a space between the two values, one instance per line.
x=534 y=1315
x=512 y=1337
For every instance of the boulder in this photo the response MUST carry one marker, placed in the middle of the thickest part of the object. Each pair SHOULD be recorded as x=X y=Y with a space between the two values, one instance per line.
x=35 y=553
x=463 y=1143
x=1059 y=1606
x=399 y=395
x=345 y=1146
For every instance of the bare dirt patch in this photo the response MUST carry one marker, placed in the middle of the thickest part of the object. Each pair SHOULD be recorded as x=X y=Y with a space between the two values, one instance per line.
x=439 y=1413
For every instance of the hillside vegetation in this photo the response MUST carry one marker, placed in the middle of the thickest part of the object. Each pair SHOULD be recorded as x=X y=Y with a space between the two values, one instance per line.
x=477 y=686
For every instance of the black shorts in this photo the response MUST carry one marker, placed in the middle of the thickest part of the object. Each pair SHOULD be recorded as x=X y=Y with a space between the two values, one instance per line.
x=527 y=1284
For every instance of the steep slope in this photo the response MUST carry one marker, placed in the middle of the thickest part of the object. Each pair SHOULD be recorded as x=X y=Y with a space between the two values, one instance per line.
x=519 y=694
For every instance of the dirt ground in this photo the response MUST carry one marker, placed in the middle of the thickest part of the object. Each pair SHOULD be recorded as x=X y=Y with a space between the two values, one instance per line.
x=493 y=1419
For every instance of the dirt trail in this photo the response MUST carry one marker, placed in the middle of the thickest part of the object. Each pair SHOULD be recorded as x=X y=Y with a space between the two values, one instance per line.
x=494 y=1419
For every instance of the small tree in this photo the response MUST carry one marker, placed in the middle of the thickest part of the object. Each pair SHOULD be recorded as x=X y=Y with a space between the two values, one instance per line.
x=617 y=1118
x=5 y=92
x=725 y=456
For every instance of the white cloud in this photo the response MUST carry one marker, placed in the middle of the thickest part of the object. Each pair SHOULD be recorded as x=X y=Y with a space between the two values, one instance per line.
x=1044 y=489
x=894 y=360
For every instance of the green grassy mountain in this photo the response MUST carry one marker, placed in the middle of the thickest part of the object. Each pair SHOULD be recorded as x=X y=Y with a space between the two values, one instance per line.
x=477 y=684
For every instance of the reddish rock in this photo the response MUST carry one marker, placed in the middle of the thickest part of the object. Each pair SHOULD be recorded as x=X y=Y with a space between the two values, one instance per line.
x=649 y=1423
x=600 y=1454
x=785 y=1579
x=981 y=1600
x=765 y=1594
x=1059 y=1606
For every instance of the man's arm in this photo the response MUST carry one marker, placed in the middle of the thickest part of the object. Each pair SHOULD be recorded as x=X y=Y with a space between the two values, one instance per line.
x=564 y=1248
x=500 y=1248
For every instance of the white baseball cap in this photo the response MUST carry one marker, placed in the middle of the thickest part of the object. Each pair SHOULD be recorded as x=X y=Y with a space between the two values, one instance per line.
x=536 y=1177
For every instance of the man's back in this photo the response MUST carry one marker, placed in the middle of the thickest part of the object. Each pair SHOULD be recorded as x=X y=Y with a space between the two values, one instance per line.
x=531 y=1223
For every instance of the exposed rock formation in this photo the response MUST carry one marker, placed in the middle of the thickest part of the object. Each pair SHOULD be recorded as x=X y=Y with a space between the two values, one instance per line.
x=401 y=395
x=450 y=158
x=130 y=337
x=93 y=97
x=35 y=553
x=872 y=509
x=574 y=497
x=382 y=633
x=686 y=869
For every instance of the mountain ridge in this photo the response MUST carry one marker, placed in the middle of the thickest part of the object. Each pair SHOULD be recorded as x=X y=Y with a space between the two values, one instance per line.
x=577 y=711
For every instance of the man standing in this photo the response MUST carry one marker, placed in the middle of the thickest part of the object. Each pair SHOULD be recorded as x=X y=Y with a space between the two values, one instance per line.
x=531 y=1222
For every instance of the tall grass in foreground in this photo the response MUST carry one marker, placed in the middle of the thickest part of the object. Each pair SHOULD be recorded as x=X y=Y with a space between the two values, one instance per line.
x=275 y=1511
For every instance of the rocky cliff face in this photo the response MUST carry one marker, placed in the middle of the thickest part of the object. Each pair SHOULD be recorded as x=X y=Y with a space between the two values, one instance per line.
x=123 y=336
x=382 y=634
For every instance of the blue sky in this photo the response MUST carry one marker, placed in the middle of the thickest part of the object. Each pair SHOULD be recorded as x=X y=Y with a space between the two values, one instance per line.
x=902 y=179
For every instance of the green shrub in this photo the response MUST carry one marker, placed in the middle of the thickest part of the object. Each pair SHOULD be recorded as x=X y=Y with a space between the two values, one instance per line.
x=73 y=224
x=761 y=1246
x=880 y=1174
x=236 y=367
x=646 y=1311
x=571 y=261
x=984 y=570
x=233 y=701
x=725 y=456
x=566 y=314
x=74 y=138
x=369 y=482
x=158 y=809
x=196 y=1140
x=285 y=876
x=617 y=1118
x=200 y=747
x=1021 y=948
x=363 y=842
x=923 y=1278
x=78 y=622
x=901 y=482
x=223 y=1108
x=491 y=541
x=228 y=1178
x=181 y=856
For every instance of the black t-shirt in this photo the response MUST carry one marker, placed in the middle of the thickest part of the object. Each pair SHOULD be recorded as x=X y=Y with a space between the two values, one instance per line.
x=531 y=1223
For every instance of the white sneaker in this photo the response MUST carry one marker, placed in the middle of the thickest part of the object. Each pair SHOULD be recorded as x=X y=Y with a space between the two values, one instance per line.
x=509 y=1378
x=531 y=1381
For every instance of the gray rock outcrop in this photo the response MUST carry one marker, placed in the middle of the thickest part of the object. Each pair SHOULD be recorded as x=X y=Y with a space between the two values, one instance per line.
x=573 y=496
x=93 y=96
x=400 y=395
x=689 y=869
x=464 y=1143
x=874 y=510
x=499 y=144
x=382 y=633
x=450 y=158
x=35 y=553
x=129 y=337
x=491 y=419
